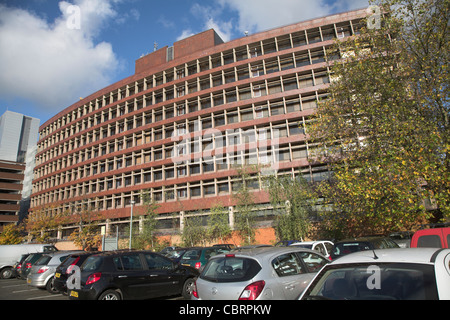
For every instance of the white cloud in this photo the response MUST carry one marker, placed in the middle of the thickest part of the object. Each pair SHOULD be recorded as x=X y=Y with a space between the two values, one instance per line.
x=51 y=64
x=259 y=15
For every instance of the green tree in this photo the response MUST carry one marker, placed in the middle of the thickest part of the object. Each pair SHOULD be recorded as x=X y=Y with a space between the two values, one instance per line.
x=245 y=215
x=293 y=199
x=384 y=129
x=218 y=224
x=147 y=237
x=194 y=232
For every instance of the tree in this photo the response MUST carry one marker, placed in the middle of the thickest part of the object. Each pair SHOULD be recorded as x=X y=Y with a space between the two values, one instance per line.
x=87 y=235
x=147 y=236
x=245 y=215
x=11 y=234
x=193 y=231
x=384 y=129
x=293 y=199
x=218 y=225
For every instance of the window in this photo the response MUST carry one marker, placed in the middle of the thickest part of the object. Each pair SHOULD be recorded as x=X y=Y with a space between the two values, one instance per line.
x=313 y=261
x=128 y=262
x=155 y=262
x=287 y=265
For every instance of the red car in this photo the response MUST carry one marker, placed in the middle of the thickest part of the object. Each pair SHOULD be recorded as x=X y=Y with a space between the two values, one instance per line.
x=431 y=238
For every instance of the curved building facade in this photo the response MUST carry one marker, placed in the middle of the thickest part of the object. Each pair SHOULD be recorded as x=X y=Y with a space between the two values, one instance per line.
x=190 y=115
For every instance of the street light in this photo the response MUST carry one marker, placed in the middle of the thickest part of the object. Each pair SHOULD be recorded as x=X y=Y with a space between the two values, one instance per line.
x=131 y=221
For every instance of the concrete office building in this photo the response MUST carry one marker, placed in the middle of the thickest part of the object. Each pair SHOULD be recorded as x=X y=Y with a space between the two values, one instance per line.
x=189 y=116
x=18 y=144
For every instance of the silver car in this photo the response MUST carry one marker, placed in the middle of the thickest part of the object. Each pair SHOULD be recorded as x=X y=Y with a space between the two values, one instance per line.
x=42 y=273
x=265 y=273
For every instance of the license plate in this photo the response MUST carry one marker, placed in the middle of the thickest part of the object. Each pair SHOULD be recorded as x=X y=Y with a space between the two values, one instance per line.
x=57 y=275
x=28 y=280
x=74 y=294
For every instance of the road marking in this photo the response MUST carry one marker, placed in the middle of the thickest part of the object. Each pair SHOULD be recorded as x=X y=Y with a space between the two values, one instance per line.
x=18 y=291
x=44 y=297
x=16 y=285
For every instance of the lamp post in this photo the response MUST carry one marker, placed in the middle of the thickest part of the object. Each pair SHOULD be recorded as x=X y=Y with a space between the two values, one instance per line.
x=131 y=221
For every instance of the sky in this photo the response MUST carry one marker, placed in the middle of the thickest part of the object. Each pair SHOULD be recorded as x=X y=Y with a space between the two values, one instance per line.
x=52 y=53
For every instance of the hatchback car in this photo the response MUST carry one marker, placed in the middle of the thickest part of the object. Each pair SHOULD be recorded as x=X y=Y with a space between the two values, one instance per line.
x=42 y=272
x=279 y=273
x=198 y=257
x=322 y=246
x=65 y=270
x=402 y=274
x=344 y=247
x=118 y=275
x=28 y=263
x=18 y=265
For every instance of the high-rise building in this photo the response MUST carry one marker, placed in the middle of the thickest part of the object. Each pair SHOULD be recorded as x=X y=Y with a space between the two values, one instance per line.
x=190 y=115
x=18 y=145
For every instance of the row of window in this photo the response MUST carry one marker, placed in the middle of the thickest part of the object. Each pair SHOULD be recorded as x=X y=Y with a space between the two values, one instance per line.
x=166 y=193
x=169 y=131
x=186 y=149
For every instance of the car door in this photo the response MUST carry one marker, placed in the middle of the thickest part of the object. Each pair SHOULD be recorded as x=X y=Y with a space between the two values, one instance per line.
x=130 y=276
x=163 y=278
x=292 y=275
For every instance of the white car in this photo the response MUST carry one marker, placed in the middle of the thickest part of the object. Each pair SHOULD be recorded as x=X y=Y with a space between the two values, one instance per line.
x=400 y=274
x=324 y=247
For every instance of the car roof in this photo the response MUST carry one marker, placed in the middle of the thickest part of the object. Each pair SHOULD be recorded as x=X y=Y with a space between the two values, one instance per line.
x=264 y=251
x=411 y=255
x=368 y=238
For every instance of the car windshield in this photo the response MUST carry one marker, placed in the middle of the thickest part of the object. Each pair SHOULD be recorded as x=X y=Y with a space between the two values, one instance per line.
x=230 y=269
x=387 y=281
x=175 y=253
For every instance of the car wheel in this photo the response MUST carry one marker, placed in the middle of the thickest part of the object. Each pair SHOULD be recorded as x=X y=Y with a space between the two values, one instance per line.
x=188 y=287
x=110 y=295
x=6 y=273
x=51 y=287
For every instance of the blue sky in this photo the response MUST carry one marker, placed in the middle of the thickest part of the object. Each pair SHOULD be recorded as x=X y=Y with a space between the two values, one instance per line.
x=54 y=52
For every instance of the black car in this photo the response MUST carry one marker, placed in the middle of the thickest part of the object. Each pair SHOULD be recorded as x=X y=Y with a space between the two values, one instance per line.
x=63 y=272
x=347 y=246
x=118 y=275
x=28 y=263
x=18 y=265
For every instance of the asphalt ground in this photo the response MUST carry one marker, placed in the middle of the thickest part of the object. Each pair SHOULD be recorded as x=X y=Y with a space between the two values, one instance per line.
x=17 y=289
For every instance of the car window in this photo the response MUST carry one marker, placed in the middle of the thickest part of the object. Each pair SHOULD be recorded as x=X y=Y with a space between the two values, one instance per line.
x=128 y=262
x=329 y=246
x=320 y=248
x=192 y=255
x=43 y=260
x=230 y=269
x=314 y=262
x=155 y=262
x=92 y=264
x=287 y=265
x=429 y=241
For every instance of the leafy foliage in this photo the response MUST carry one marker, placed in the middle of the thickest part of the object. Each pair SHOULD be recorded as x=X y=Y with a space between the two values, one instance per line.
x=385 y=128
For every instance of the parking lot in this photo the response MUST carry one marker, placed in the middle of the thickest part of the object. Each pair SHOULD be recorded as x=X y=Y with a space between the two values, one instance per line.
x=16 y=289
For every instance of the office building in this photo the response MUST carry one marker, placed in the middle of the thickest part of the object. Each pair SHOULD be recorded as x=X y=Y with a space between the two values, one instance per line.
x=185 y=121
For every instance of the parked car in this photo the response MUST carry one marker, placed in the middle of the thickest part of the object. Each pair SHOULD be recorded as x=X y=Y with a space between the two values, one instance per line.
x=63 y=271
x=263 y=273
x=402 y=238
x=10 y=254
x=228 y=246
x=402 y=274
x=322 y=246
x=28 y=263
x=167 y=250
x=431 y=238
x=285 y=243
x=42 y=272
x=117 y=275
x=344 y=247
x=18 y=265
x=199 y=256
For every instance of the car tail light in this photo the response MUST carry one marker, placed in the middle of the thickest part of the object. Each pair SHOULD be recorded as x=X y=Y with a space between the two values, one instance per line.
x=93 y=278
x=253 y=290
x=42 y=269
x=70 y=268
x=19 y=266
x=198 y=265
x=194 y=290
x=27 y=265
